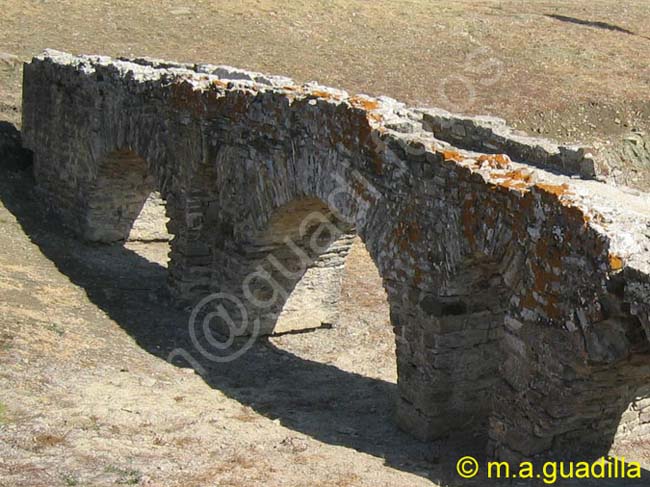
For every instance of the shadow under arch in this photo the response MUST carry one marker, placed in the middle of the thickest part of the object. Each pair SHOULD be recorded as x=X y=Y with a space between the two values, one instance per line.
x=294 y=262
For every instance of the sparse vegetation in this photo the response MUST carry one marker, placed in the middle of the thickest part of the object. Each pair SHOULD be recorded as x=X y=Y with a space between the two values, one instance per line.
x=47 y=440
x=70 y=480
x=3 y=414
x=127 y=476
x=54 y=328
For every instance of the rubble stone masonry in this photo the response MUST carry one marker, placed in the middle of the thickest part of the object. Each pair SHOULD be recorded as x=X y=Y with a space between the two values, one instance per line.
x=518 y=282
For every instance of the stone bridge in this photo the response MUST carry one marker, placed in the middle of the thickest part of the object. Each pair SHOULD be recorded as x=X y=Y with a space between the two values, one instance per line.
x=518 y=282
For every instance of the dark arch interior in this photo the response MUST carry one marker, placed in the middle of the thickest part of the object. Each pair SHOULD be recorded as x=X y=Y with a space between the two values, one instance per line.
x=287 y=274
x=302 y=254
x=122 y=187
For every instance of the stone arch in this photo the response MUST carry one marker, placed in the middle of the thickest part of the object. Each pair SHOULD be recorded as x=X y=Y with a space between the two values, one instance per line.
x=295 y=259
x=125 y=178
x=446 y=281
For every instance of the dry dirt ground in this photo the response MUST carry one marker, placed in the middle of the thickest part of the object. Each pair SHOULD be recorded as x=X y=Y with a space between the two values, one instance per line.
x=87 y=396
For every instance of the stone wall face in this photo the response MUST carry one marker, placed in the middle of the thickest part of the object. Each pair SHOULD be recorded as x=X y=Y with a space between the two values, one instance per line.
x=519 y=297
x=492 y=135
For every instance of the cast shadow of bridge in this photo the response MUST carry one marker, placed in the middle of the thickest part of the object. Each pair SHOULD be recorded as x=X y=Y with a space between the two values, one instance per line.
x=322 y=401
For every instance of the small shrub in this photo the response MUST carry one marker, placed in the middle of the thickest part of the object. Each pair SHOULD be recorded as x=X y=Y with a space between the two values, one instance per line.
x=125 y=477
x=70 y=480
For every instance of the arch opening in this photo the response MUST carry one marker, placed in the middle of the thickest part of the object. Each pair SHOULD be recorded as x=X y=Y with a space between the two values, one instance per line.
x=121 y=188
x=124 y=205
x=288 y=274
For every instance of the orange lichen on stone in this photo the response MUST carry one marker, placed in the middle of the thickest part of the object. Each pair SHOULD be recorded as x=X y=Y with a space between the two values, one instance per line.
x=502 y=160
x=556 y=189
x=546 y=269
x=615 y=262
x=528 y=301
x=575 y=216
x=352 y=130
x=496 y=161
x=184 y=97
x=550 y=252
x=551 y=309
x=417 y=278
x=219 y=83
x=517 y=174
x=514 y=184
x=543 y=279
x=517 y=179
x=407 y=233
x=363 y=192
x=240 y=103
x=326 y=95
x=414 y=232
x=363 y=103
x=450 y=155
x=360 y=131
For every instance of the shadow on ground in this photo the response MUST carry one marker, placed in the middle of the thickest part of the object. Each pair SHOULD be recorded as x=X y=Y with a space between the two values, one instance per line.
x=594 y=24
x=331 y=405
